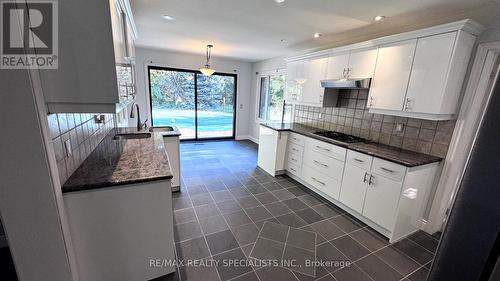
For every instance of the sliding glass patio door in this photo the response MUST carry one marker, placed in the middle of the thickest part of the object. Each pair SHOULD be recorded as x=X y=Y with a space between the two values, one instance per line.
x=201 y=107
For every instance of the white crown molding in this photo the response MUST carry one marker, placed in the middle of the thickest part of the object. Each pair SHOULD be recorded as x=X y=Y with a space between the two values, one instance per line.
x=466 y=25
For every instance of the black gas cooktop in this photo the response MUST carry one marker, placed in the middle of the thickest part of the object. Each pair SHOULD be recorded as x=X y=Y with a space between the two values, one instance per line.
x=340 y=136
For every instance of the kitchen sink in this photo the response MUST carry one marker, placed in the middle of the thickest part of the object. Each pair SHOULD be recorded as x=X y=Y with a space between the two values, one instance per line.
x=132 y=136
x=162 y=129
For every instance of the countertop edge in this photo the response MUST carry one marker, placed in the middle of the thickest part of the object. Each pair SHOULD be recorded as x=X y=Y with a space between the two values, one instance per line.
x=69 y=189
x=351 y=147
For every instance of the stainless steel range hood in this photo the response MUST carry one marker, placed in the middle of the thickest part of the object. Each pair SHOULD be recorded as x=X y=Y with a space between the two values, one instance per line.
x=350 y=83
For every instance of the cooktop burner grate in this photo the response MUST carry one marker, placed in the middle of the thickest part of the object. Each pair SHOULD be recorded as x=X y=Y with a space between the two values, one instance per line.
x=340 y=136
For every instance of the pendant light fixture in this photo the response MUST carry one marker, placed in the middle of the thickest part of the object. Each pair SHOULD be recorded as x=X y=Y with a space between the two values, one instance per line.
x=206 y=70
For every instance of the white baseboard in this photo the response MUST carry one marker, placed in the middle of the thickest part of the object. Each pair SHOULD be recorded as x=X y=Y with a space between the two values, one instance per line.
x=247 y=137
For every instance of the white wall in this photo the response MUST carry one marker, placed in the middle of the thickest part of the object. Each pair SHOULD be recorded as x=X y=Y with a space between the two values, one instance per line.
x=260 y=67
x=165 y=58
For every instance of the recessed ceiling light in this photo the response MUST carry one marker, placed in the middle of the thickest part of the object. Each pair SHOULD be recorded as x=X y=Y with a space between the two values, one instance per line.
x=317 y=35
x=379 y=18
x=279 y=1
x=168 y=17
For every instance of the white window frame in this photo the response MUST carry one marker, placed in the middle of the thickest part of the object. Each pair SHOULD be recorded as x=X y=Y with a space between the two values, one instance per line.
x=262 y=74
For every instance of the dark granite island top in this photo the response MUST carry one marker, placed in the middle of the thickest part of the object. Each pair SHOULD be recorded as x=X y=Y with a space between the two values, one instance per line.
x=401 y=156
x=119 y=162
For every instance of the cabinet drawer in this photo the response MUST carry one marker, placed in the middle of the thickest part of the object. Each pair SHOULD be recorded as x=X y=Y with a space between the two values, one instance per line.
x=324 y=164
x=295 y=159
x=293 y=169
x=360 y=160
x=327 y=149
x=388 y=169
x=325 y=184
x=295 y=148
x=297 y=139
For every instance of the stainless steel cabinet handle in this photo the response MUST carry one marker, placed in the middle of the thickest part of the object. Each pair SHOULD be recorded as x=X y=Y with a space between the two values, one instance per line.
x=293 y=169
x=325 y=149
x=372 y=178
x=319 y=163
x=316 y=180
x=359 y=160
x=364 y=178
x=387 y=170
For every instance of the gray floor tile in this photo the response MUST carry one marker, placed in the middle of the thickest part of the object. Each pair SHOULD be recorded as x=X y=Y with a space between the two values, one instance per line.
x=181 y=203
x=310 y=200
x=258 y=213
x=302 y=239
x=237 y=219
x=247 y=249
x=205 y=211
x=221 y=196
x=295 y=204
x=291 y=220
x=193 y=249
x=228 y=207
x=266 y=198
x=245 y=234
x=346 y=223
x=377 y=269
x=399 y=261
x=331 y=255
x=260 y=224
x=248 y=202
x=213 y=224
x=275 y=274
x=191 y=273
x=221 y=241
x=196 y=189
x=265 y=249
x=256 y=188
x=274 y=231
x=302 y=260
x=228 y=271
x=351 y=273
x=277 y=209
x=369 y=238
x=184 y=215
x=251 y=276
x=425 y=240
x=319 y=239
x=187 y=231
x=350 y=248
x=419 y=275
x=414 y=251
x=327 y=229
x=202 y=199
x=272 y=186
x=309 y=215
x=297 y=191
x=283 y=194
x=240 y=192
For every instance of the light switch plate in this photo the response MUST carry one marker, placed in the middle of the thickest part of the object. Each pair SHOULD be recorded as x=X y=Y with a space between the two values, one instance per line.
x=67 y=147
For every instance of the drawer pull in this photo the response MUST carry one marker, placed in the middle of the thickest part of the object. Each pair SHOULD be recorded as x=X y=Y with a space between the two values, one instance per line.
x=293 y=159
x=387 y=170
x=372 y=178
x=318 y=181
x=325 y=149
x=292 y=169
x=359 y=160
x=364 y=178
x=295 y=149
x=319 y=163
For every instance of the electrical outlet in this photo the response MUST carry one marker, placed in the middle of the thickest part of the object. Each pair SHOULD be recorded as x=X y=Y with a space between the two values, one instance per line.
x=99 y=119
x=400 y=127
x=67 y=147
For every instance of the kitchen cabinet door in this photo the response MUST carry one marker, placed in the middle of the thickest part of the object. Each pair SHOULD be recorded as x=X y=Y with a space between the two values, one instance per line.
x=362 y=63
x=392 y=73
x=381 y=201
x=295 y=77
x=118 y=24
x=337 y=65
x=353 y=190
x=429 y=73
x=312 y=92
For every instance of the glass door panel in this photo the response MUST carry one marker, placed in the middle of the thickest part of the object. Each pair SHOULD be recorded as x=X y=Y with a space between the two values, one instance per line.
x=216 y=99
x=173 y=100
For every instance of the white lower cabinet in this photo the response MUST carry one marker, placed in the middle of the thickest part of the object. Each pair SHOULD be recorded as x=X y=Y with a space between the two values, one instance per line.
x=322 y=182
x=381 y=201
x=354 y=187
x=272 y=150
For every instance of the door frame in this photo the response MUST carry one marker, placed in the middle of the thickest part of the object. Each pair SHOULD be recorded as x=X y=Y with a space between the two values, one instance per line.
x=484 y=72
x=196 y=72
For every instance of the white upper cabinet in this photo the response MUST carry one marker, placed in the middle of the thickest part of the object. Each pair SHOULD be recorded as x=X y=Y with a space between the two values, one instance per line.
x=337 y=66
x=312 y=92
x=90 y=51
x=362 y=63
x=392 y=73
x=434 y=82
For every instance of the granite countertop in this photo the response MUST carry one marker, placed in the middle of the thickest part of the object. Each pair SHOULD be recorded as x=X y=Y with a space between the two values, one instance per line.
x=401 y=156
x=124 y=161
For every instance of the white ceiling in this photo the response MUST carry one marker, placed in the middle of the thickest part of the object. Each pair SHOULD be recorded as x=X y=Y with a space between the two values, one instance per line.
x=251 y=30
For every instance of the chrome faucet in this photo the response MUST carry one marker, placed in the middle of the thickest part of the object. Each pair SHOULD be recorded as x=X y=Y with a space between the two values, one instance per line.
x=140 y=125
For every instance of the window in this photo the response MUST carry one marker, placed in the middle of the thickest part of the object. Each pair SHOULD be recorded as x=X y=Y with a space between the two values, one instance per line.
x=271 y=97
